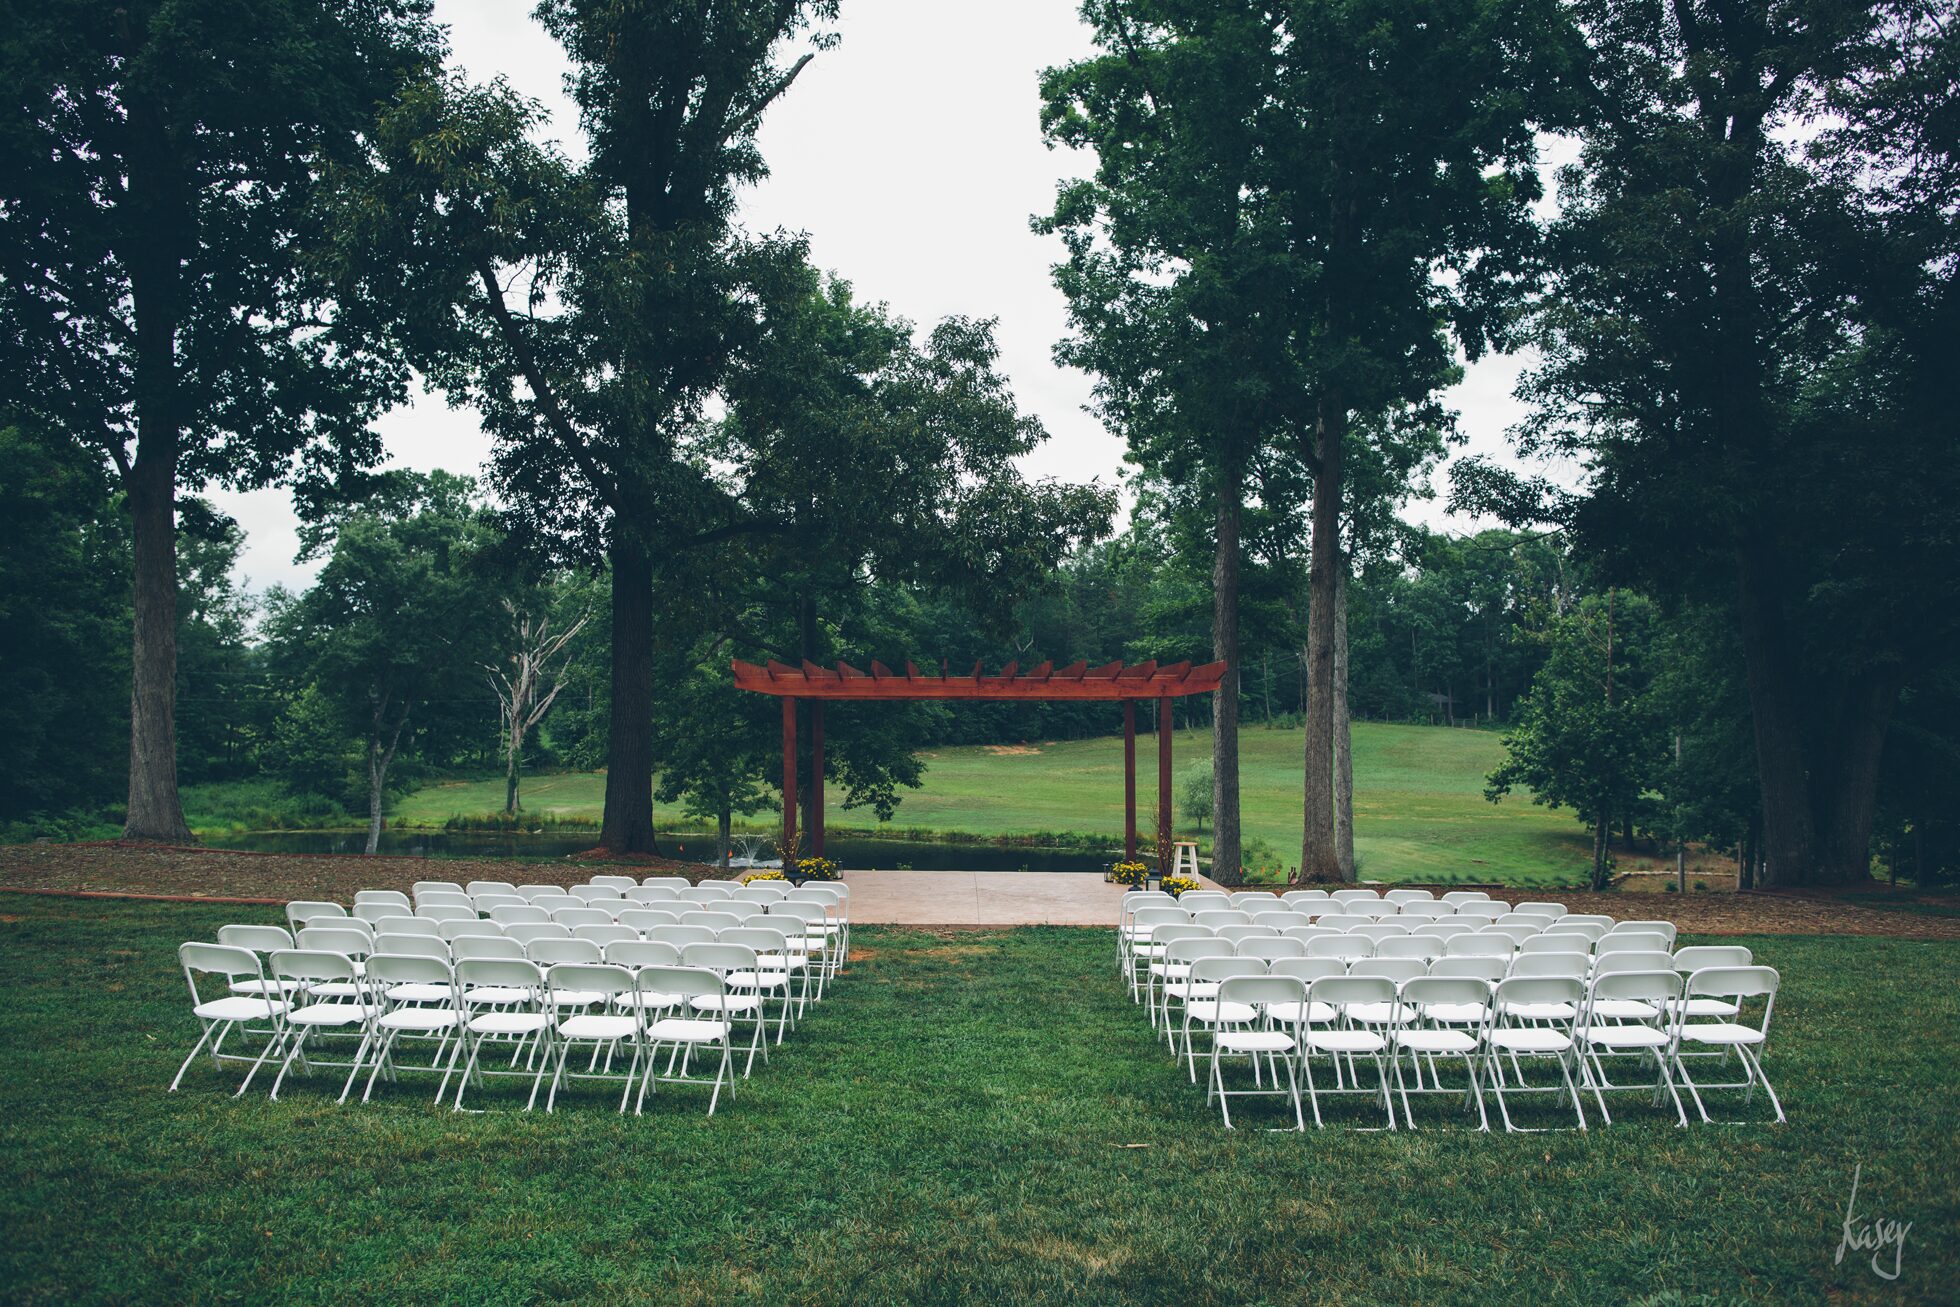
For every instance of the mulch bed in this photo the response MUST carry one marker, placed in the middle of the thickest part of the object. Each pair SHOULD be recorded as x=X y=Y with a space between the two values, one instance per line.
x=216 y=874
x=171 y=870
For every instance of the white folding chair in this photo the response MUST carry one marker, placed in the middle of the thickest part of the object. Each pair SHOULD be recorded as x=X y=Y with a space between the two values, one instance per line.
x=575 y=917
x=526 y=914
x=1736 y=985
x=302 y=912
x=681 y=1035
x=1602 y=1037
x=247 y=998
x=1255 y=1038
x=741 y=998
x=526 y=933
x=620 y=883
x=477 y=887
x=504 y=1000
x=1423 y=1038
x=393 y=896
x=571 y=990
x=415 y=997
x=665 y=882
x=608 y=933
x=327 y=977
x=1514 y=1033
x=1342 y=1042
x=1202 y=1008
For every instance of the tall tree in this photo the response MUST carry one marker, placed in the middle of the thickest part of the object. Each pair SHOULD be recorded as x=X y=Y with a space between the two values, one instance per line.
x=528 y=680
x=400 y=616
x=588 y=310
x=1406 y=168
x=1740 y=348
x=1177 y=277
x=156 y=306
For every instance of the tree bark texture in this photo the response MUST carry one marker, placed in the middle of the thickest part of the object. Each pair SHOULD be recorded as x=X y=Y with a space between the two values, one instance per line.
x=1319 y=860
x=1225 y=844
x=628 y=823
x=1343 y=737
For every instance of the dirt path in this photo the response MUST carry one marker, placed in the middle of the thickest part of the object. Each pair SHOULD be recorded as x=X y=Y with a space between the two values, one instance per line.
x=1004 y=899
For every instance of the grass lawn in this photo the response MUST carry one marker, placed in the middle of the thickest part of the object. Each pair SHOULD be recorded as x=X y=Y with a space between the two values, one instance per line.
x=1420 y=812
x=972 y=1117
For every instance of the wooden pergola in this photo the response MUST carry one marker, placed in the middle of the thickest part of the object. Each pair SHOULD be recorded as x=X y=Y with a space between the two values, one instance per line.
x=1078 y=681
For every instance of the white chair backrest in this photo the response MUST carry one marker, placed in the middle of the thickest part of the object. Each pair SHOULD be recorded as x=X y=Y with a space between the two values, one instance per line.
x=1457 y=896
x=455 y=930
x=474 y=946
x=1665 y=928
x=1480 y=943
x=1395 y=969
x=382 y=896
x=446 y=912
x=572 y=983
x=681 y=936
x=1309 y=969
x=1270 y=947
x=637 y=953
x=1631 y=941
x=1341 y=946
x=597 y=893
x=556 y=952
x=332 y=939
x=527 y=933
x=1633 y=960
x=644 y=919
x=264 y=939
x=531 y=892
x=1409 y=946
x=1407 y=896
x=665 y=882
x=1485 y=968
x=621 y=883
x=420 y=946
x=311 y=964
x=1690 y=959
x=301 y=911
x=1571 y=942
x=421 y=885
x=1544 y=909
x=511 y=916
x=1576 y=965
x=604 y=935
x=1343 y=921
x=477 y=887
x=594 y=916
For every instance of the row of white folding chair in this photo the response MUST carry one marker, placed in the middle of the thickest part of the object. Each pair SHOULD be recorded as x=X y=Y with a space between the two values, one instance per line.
x=1306 y=1008
x=700 y=991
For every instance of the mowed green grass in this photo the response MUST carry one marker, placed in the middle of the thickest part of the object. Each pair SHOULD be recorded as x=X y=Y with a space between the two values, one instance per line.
x=1420 y=812
x=978 y=1117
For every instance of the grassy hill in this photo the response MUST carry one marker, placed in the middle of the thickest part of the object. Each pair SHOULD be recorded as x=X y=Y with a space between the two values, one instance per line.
x=1420 y=813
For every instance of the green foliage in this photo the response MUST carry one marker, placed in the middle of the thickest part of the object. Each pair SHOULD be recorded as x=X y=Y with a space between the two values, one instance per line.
x=1194 y=795
x=1588 y=736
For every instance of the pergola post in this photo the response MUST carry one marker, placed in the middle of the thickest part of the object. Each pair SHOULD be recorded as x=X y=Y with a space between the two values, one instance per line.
x=789 y=778
x=1129 y=780
x=1164 y=785
x=816 y=777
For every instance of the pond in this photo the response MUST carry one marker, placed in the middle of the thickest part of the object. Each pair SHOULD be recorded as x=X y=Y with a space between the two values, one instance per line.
x=853 y=853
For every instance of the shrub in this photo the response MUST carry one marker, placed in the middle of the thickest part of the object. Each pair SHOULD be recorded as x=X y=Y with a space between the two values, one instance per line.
x=1133 y=874
x=816 y=868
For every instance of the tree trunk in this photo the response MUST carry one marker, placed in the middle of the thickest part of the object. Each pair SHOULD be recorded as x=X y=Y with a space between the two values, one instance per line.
x=510 y=775
x=723 y=820
x=1776 y=712
x=155 y=812
x=379 y=760
x=1319 y=861
x=1343 y=738
x=1225 y=849
x=1601 y=833
x=1844 y=808
x=628 y=823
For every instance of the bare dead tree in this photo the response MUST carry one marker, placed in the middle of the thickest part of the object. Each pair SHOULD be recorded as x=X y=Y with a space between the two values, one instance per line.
x=520 y=689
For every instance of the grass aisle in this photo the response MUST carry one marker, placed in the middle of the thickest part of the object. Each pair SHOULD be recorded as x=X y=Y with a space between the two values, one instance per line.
x=958 y=1123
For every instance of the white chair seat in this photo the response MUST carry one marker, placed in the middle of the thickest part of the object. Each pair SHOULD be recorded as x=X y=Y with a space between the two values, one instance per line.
x=1625 y=1009
x=1318 y=1014
x=1435 y=1041
x=417 y=992
x=336 y=989
x=1255 y=1041
x=757 y=979
x=1457 y=1014
x=683 y=1030
x=1721 y=1032
x=1190 y=989
x=1530 y=1041
x=1210 y=1009
x=331 y=1014
x=1170 y=970
x=1626 y=1037
x=285 y=987
x=1379 y=1014
x=1345 y=1041
x=238 y=1008
x=495 y=995
x=509 y=1023
x=577 y=997
x=1539 y=1011
x=598 y=1025
x=1704 y=1007
x=648 y=1000
x=725 y=1003
x=420 y=1018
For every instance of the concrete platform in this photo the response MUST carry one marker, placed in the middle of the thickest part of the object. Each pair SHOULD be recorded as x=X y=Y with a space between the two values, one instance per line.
x=983 y=898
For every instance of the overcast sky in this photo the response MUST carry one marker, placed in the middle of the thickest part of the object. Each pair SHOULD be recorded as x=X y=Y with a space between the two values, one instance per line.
x=912 y=157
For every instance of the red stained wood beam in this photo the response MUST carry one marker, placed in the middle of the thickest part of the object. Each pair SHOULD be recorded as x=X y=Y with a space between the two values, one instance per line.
x=1111 y=682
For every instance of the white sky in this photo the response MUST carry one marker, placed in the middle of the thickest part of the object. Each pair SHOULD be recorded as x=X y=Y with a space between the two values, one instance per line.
x=912 y=157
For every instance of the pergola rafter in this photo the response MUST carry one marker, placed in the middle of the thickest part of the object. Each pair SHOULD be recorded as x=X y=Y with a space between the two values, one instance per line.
x=1110 y=682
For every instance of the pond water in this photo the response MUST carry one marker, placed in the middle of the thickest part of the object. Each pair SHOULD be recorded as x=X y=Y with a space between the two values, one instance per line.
x=853 y=854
